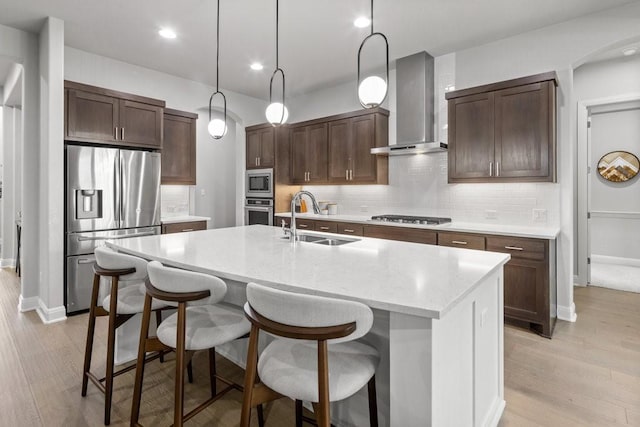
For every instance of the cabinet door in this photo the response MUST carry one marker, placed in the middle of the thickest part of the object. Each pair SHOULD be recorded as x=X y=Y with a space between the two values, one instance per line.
x=339 y=150
x=91 y=117
x=524 y=296
x=298 y=155
x=179 y=150
x=316 y=153
x=253 y=149
x=523 y=140
x=141 y=124
x=415 y=235
x=266 y=158
x=363 y=163
x=471 y=138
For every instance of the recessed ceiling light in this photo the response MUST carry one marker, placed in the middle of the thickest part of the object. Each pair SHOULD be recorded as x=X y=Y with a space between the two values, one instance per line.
x=630 y=51
x=167 y=33
x=362 y=22
x=256 y=66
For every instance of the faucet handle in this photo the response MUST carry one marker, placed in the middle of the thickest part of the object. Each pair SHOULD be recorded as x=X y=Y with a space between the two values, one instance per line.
x=286 y=230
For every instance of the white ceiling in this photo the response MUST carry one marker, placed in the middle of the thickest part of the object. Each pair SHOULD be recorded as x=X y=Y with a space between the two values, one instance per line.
x=318 y=42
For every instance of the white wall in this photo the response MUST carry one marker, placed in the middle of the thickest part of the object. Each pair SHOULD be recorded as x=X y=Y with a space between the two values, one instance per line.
x=22 y=48
x=598 y=83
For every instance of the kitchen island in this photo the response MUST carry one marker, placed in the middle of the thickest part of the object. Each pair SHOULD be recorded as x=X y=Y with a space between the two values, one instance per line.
x=438 y=312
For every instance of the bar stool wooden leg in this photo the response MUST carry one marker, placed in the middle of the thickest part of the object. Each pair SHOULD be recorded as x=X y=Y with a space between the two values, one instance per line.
x=298 y=413
x=111 y=343
x=249 y=377
x=144 y=335
x=178 y=409
x=190 y=372
x=373 y=402
x=158 y=321
x=212 y=371
x=90 y=333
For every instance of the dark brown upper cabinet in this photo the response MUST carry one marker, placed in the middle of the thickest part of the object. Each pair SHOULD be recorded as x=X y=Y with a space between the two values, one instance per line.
x=504 y=132
x=98 y=115
x=179 y=148
x=309 y=154
x=350 y=144
x=261 y=148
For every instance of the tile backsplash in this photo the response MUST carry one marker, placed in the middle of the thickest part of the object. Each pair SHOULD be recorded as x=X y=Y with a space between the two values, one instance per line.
x=418 y=186
x=175 y=200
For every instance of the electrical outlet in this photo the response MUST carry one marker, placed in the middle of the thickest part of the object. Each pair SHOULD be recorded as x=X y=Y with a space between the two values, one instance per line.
x=540 y=215
x=202 y=192
x=490 y=214
x=364 y=208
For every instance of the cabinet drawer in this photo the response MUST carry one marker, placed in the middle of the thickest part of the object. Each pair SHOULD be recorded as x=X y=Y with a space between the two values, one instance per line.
x=460 y=240
x=401 y=233
x=181 y=227
x=326 y=226
x=533 y=249
x=305 y=224
x=350 y=228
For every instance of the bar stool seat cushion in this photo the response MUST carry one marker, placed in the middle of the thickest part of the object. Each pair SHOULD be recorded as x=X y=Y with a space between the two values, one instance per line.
x=131 y=299
x=290 y=367
x=207 y=326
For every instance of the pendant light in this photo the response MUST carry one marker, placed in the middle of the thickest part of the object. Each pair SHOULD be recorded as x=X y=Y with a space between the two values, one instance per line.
x=277 y=113
x=218 y=128
x=373 y=90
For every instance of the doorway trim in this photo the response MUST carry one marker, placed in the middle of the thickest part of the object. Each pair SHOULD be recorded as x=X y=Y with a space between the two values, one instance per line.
x=583 y=176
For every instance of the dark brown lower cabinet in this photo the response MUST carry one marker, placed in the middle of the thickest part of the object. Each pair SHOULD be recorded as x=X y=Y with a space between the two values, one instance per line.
x=183 y=227
x=404 y=234
x=529 y=281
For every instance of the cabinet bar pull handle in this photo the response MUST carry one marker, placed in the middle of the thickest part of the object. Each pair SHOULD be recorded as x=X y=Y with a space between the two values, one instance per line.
x=324 y=228
x=187 y=229
x=302 y=225
x=490 y=168
x=459 y=242
x=348 y=230
x=513 y=248
x=351 y=174
x=122 y=134
x=346 y=174
x=258 y=161
x=497 y=168
x=116 y=133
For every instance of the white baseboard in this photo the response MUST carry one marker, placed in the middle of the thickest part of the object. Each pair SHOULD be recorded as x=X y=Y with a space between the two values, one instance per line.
x=496 y=413
x=7 y=262
x=28 y=304
x=50 y=315
x=567 y=313
x=576 y=281
x=604 y=259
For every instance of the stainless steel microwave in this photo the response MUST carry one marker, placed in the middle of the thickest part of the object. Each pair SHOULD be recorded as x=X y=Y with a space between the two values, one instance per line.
x=259 y=183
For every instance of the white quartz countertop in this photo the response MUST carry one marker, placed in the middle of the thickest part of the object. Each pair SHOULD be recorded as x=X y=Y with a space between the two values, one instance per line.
x=411 y=278
x=183 y=218
x=549 y=233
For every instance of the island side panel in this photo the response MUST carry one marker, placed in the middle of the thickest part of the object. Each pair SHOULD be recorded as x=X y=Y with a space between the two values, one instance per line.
x=410 y=359
x=468 y=359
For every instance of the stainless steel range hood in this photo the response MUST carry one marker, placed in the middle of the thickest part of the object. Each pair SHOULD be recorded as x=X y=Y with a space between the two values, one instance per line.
x=414 y=108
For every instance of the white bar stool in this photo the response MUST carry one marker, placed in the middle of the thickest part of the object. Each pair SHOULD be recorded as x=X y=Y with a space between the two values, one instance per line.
x=319 y=363
x=201 y=323
x=125 y=299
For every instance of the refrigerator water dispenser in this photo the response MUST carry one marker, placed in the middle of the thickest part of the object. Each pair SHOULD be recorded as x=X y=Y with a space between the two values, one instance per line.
x=88 y=204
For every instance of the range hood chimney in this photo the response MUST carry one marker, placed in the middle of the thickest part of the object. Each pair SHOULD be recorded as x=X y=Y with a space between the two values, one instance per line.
x=414 y=107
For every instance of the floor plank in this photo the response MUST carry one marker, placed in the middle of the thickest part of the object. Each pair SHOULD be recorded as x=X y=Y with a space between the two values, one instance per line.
x=587 y=375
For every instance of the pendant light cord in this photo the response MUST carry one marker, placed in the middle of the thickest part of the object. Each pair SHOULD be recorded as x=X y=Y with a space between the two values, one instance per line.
x=371 y=16
x=218 y=48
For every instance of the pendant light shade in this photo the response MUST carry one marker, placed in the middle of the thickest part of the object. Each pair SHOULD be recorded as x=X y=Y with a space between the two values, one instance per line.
x=372 y=91
x=217 y=128
x=277 y=112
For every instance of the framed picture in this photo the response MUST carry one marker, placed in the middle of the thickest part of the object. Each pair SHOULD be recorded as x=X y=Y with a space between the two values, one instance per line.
x=618 y=166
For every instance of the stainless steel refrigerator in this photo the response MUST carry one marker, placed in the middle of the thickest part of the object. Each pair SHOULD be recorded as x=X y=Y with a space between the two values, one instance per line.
x=110 y=194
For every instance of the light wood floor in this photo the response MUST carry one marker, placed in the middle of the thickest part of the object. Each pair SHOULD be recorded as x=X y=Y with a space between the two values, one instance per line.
x=587 y=375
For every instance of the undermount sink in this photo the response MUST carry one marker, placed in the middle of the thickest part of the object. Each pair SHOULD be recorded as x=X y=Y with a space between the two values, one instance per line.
x=326 y=240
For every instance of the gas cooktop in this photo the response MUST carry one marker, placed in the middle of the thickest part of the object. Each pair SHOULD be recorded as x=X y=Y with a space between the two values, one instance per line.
x=406 y=219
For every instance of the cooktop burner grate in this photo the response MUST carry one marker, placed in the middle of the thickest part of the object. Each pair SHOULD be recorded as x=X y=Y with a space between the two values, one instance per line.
x=407 y=219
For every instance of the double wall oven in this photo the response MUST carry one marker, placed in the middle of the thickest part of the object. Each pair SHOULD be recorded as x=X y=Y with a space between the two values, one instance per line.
x=258 y=206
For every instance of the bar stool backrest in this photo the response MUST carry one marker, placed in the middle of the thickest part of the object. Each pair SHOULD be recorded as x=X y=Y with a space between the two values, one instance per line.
x=178 y=281
x=309 y=311
x=109 y=259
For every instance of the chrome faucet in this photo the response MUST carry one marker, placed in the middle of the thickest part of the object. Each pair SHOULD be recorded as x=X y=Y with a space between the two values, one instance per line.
x=292 y=225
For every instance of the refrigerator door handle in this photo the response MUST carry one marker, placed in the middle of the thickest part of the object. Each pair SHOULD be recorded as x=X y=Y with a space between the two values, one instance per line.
x=116 y=186
x=124 y=236
x=121 y=201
